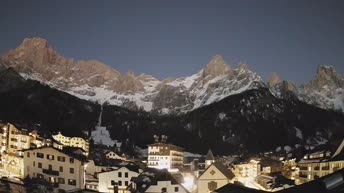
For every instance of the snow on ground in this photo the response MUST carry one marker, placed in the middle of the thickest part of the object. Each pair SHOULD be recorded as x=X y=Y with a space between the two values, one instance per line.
x=102 y=136
x=188 y=154
x=298 y=133
x=187 y=82
x=144 y=153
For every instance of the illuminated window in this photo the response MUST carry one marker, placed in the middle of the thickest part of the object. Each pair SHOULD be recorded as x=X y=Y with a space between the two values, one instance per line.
x=71 y=182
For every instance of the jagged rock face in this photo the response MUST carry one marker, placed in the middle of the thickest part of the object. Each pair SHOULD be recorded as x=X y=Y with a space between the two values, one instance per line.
x=217 y=67
x=129 y=84
x=92 y=80
x=326 y=90
x=95 y=81
x=326 y=76
x=35 y=58
x=274 y=80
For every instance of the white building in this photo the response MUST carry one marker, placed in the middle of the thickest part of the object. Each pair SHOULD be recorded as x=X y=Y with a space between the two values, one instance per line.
x=117 y=178
x=72 y=142
x=165 y=156
x=320 y=163
x=214 y=177
x=63 y=170
x=156 y=181
x=113 y=155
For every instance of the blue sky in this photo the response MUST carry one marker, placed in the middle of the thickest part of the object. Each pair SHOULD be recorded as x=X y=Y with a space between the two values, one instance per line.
x=178 y=38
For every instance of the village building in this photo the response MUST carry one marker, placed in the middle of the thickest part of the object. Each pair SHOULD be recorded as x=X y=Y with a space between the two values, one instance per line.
x=117 y=178
x=12 y=143
x=165 y=156
x=63 y=169
x=214 y=177
x=247 y=169
x=156 y=181
x=72 y=142
x=113 y=155
x=320 y=163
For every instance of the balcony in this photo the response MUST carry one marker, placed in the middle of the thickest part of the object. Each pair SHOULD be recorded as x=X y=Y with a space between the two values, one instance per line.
x=317 y=168
x=303 y=168
x=336 y=168
x=51 y=172
x=159 y=153
x=325 y=168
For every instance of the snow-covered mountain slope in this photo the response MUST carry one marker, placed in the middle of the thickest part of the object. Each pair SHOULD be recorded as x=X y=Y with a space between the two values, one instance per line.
x=91 y=80
x=325 y=91
x=94 y=81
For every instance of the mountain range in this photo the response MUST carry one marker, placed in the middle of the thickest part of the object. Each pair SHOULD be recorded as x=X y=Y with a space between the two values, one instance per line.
x=94 y=81
x=227 y=109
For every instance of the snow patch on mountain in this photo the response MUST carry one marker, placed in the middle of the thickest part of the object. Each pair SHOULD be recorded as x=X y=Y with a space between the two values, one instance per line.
x=102 y=136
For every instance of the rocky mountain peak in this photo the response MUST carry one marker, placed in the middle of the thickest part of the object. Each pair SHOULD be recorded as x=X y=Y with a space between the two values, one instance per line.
x=327 y=76
x=129 y=84
x=216 y=67
x=244 y=67
x=274 y=80
x=35 y=42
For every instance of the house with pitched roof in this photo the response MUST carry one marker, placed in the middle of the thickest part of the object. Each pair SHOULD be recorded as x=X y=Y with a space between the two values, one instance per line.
x=64 y=170
x=157 y=181
x=321 y=162
x=117 y=178
x=214 y=177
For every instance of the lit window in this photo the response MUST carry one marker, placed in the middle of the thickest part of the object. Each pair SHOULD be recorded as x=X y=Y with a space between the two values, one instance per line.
x=71 y=182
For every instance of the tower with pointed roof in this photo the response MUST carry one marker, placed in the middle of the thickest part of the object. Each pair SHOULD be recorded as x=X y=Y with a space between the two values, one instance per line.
x=209 y=159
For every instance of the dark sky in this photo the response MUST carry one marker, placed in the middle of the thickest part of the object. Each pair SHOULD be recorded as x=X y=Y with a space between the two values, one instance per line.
x=177 y=38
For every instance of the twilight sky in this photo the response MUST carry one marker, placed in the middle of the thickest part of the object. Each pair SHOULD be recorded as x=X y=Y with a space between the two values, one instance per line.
x=178 y=38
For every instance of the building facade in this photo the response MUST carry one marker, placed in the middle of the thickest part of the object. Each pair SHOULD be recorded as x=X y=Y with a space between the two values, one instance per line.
x=113 y=155
x=320 y=163
x=165 y=156
x=13 y=141
x=117 y=178
x=62 y=170
x=214 y=177
x=73 y=142
x=156 y=181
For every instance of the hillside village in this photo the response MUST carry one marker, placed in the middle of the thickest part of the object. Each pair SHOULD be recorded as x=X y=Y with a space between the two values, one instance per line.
x=69 y=164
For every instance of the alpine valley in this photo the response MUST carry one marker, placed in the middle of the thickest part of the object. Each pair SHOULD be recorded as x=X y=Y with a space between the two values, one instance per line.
x=225 y=108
